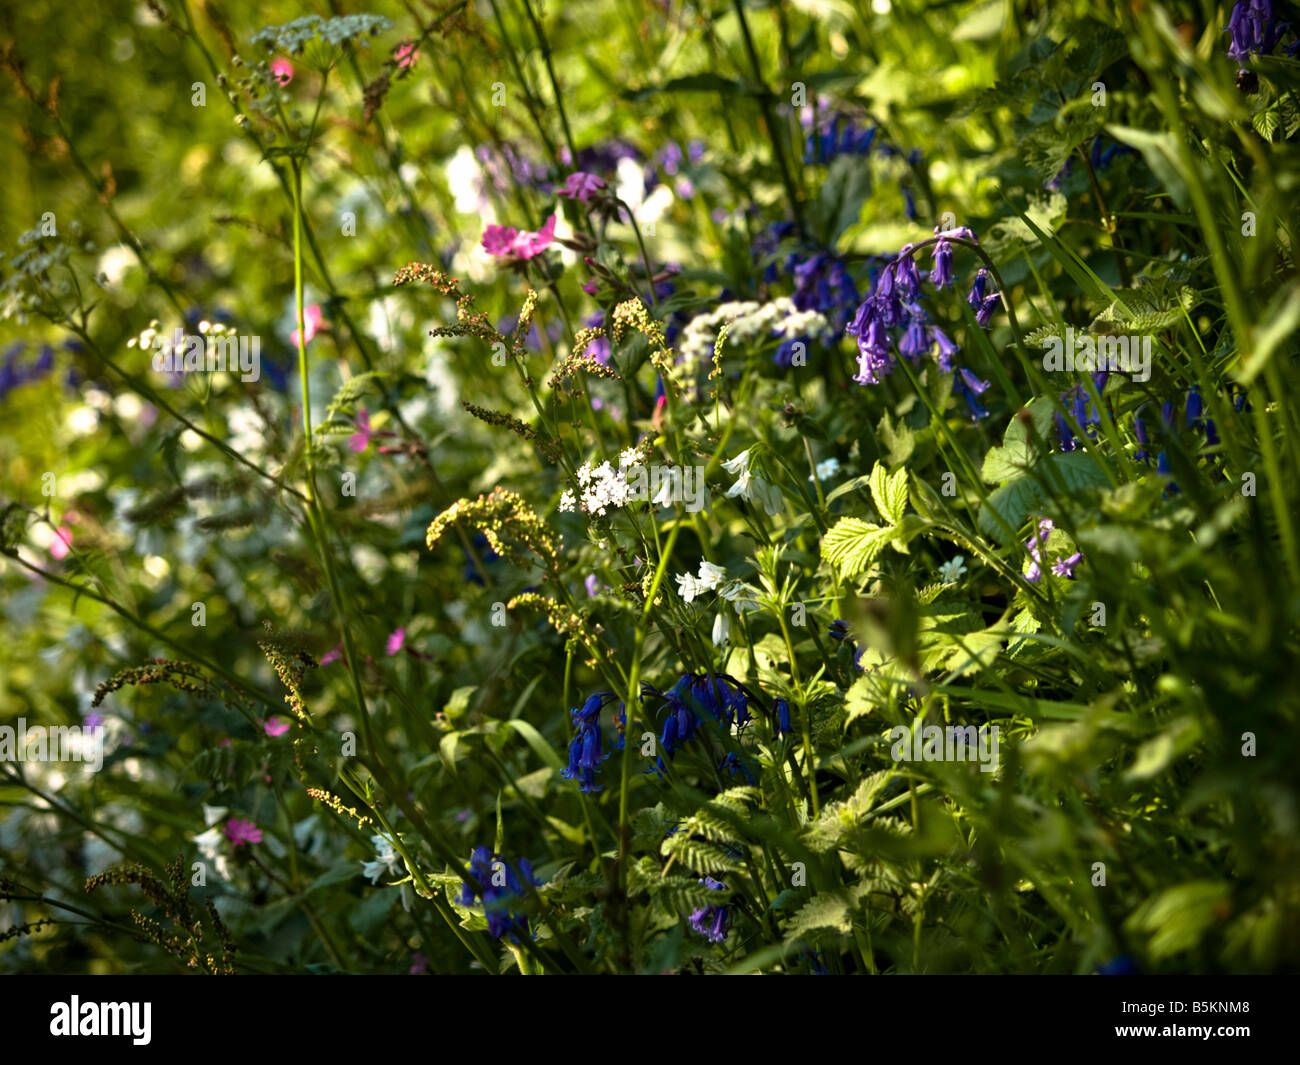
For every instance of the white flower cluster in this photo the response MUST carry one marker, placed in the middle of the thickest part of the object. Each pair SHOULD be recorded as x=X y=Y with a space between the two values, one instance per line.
x=751 y=487
x=601 y=487
x=690 y=585
x=748 y=320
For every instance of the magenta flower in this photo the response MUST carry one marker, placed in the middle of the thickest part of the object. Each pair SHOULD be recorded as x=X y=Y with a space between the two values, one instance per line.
x=241 y=832
x=506 y=240
x=419 y=964
x=581 y=186
x=275 y=726
x=395 y=640
x=332 y=656
x=360 y=440
x=61 y=542
x=406 y=54
x=282 y=69
x=311 y=317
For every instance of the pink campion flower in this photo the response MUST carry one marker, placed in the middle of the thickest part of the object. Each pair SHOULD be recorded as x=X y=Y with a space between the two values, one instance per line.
x=61 y=542
x=360 y=440
x=406 y=54
x=395 y=640
x=529 y=244
x=332 y=656
x=282 y=70
x=506 y=240
x=499 y=240
x=591 y=286
x=581 y=186
x=275 y=726
x=241 y=832
x=311 y=317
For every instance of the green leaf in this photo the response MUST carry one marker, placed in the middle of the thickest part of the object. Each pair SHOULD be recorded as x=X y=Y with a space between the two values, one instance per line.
x=1072 y=472
x=853 y=545
x=1281 y=318
x=1160 y=151
x=889 y=491
x=824 y=910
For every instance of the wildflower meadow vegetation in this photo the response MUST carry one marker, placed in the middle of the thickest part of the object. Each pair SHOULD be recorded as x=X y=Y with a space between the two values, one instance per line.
x=650 y=486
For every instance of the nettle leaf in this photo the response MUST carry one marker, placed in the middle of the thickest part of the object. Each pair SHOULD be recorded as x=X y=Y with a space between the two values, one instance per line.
x=1018 y=451
x=698 y=855
x=889 y=492
x=852 y=545
x=825 y=910
x=1072 y=472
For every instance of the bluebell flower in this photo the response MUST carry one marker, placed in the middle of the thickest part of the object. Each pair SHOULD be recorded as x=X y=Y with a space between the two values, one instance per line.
x=585 y=754
x=913 y=343
x=985 y=314
x=733 y=765
x=783 y=716
x=947 y=349
x=499 y=883
x=971 y=388
x=1254 y=29
x=1140 y=433
x=975 y=299
x=712 y=921
x=1124 y=965
x=941 y=274
x=909 y=203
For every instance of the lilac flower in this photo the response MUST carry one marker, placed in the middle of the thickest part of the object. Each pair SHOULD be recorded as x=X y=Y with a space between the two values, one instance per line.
x=1035 y=546
x=1065 y=567
x=581 y=186
x=712 y=921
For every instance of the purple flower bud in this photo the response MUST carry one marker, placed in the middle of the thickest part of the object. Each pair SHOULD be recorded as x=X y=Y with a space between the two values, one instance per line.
x=941 y=274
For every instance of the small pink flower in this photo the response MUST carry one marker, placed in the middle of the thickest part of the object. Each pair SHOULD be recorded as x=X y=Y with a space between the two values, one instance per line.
x=591 y=286
x=311 y=317
x=406 y=54
x=332 y=656
x=61 y=542
x=395 y=640
x=360 y=440
x=529 y=244
x=282 y=69
x=506 y=240
x=241 y=832
x=225 y=743
x=276 y=726
x=581 y=186
x=499 y=240
x=419 y=964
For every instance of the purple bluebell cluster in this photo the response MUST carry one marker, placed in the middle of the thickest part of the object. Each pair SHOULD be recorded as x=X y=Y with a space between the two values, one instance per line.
x=500 y=884
x=892 y=316
x=1078 y=401
x=1255 y=30
x=712 y=921
x=1194 y=418
x=585 y=753
x=14 y=373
